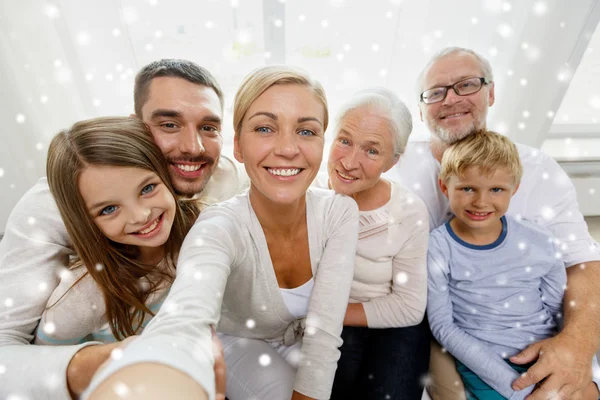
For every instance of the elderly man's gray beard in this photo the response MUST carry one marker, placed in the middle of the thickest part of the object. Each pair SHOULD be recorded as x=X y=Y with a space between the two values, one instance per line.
x=450 y=136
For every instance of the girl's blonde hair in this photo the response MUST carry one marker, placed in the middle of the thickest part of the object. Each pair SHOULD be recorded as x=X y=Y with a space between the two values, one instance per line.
x=122 y=142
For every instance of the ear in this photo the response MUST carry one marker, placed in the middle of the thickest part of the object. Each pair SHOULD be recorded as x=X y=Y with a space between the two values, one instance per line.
x=133 y=115
x=237 y=151
x=492 y=95
x=443 y=187
x=394 y=162
x=516 y=188
x=420 y=113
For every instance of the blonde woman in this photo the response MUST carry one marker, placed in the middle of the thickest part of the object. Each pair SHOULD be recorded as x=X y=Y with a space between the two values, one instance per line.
x=277 y=261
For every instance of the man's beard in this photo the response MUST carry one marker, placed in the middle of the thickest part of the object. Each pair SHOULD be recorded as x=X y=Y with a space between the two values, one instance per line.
x=450 y=136
x=453 y=135
x=190 y=187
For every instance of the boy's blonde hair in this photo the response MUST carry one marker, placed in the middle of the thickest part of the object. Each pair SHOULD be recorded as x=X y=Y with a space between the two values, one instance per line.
x=485 y=150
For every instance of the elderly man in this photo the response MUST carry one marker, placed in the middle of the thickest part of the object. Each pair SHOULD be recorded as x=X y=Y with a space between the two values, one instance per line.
x=456 y=89
x=183 y=106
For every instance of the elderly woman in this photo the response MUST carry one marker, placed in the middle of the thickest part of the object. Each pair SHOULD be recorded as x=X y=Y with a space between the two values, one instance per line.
x=276 y=261
x=386 y=345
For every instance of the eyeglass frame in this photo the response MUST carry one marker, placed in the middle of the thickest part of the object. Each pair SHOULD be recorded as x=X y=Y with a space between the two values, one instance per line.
x=482 y=80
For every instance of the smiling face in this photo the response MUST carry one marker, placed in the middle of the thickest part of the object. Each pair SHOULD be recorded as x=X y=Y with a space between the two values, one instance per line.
x=185 y=120
x=129 y=205
x=362 y=150
x=456 y=116
x=479 y=201
x=281 y=143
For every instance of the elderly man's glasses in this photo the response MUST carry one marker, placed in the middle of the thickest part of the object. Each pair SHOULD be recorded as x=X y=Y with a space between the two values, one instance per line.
x=462 y=88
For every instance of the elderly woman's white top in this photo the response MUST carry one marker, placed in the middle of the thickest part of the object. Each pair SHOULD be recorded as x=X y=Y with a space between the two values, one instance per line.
x=390 y=274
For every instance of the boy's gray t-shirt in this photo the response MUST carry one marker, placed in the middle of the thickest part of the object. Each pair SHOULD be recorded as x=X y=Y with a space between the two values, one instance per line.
x=487 y=303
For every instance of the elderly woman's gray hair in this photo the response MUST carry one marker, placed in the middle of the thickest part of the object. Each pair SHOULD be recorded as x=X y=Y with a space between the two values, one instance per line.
x=389 y=106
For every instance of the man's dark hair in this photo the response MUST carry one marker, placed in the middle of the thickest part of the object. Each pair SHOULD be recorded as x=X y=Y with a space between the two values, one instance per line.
x=184 y=69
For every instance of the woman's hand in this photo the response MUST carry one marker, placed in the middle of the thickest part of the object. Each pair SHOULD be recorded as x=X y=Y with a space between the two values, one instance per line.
x=300 y=396
x=355 y=315
x=151 y=381
x=89 y=360
x=219 y=367
x=86 y=362
x=84 y=365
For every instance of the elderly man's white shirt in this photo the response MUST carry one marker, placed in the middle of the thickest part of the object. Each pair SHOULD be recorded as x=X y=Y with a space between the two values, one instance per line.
x=546 y=195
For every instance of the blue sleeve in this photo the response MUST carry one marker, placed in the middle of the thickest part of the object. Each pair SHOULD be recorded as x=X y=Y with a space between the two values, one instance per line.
x=553 y=288
x=472 y=352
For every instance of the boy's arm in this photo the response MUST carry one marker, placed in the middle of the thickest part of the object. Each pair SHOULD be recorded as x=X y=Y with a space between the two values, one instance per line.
x=553 y=288
x=472 y=352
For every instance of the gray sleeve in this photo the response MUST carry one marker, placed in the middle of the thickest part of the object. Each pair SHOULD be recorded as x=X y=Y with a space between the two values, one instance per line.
x=472 y=352
x=179 y=335
x=553 y=288
x=328 y=302
x=33 y=251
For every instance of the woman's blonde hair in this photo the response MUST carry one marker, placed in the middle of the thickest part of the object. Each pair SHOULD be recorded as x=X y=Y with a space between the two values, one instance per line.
x=122 y=142
x=485 y=150
x=259 y=80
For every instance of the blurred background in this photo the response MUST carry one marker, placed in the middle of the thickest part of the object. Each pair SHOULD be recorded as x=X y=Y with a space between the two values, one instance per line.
x=66 y=60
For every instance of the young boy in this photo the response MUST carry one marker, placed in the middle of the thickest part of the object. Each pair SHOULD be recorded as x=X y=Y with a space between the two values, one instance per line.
x=496 y=282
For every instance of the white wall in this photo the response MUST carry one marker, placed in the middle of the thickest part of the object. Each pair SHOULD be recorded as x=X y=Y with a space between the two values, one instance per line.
x=66 y=60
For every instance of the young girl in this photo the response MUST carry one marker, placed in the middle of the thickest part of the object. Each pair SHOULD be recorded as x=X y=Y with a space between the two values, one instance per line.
x=112 y=188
